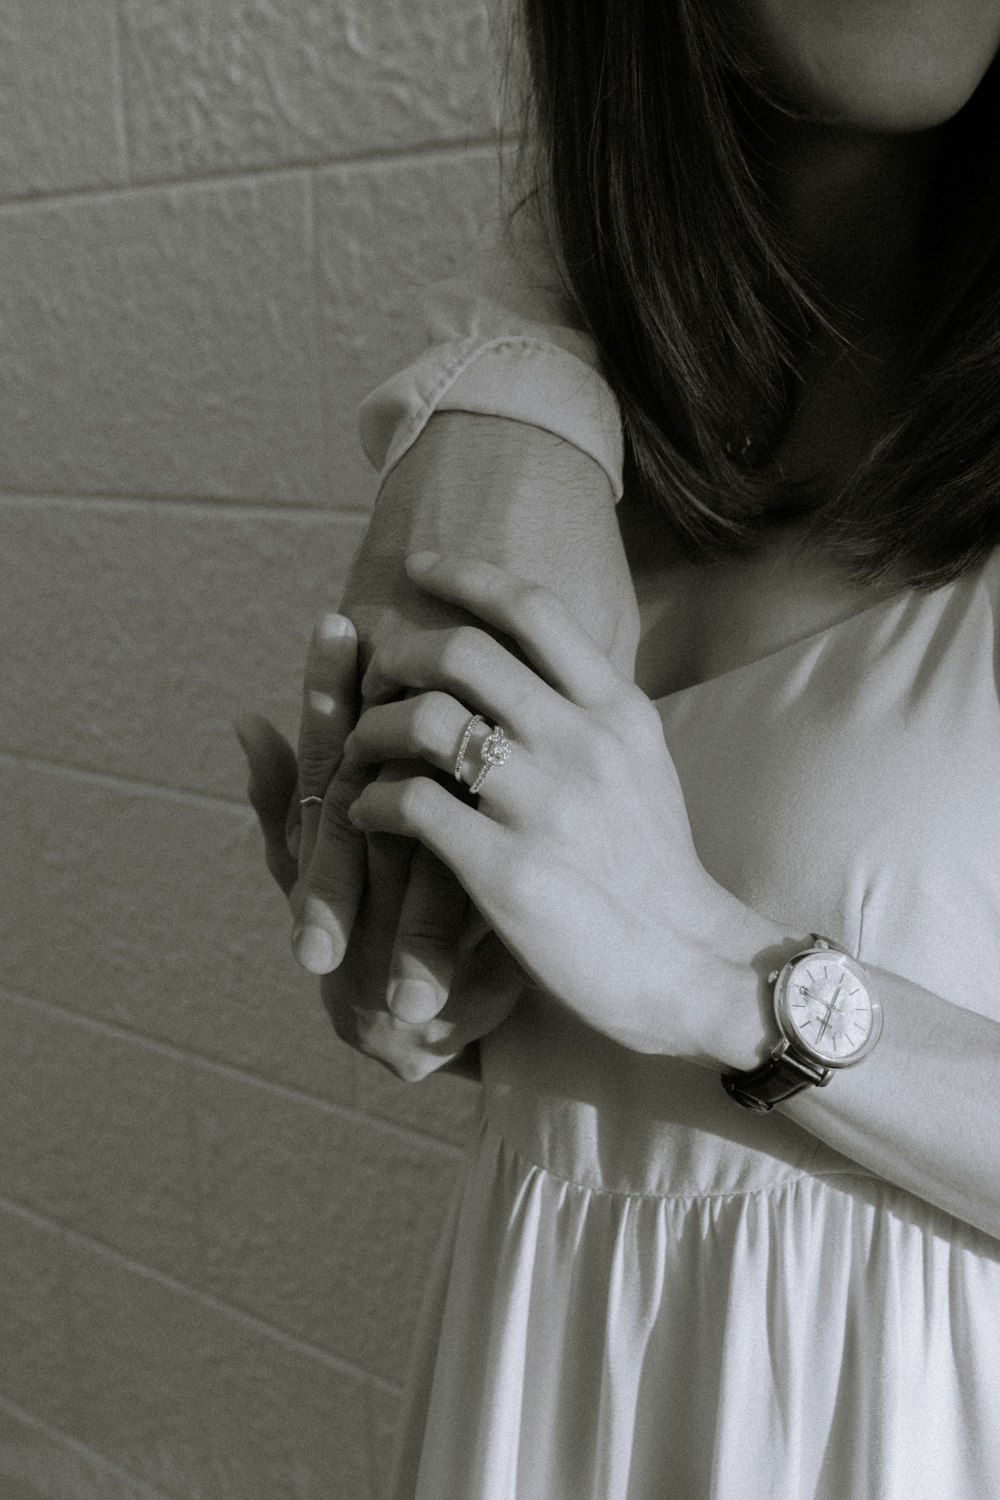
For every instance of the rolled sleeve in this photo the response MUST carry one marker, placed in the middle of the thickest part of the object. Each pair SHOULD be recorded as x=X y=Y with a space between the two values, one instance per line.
x=503 y=342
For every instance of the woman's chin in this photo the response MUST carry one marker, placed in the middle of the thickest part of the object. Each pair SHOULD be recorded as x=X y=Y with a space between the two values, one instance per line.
x=904 y=65
x=886 y=106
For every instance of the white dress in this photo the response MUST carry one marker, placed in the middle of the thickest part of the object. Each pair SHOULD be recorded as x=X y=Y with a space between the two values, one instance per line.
x=644 y=1292
x=647 y=1293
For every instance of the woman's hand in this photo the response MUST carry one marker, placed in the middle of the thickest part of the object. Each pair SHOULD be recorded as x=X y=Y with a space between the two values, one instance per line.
x=579 y=854
x=488 y=981
x=541 y=507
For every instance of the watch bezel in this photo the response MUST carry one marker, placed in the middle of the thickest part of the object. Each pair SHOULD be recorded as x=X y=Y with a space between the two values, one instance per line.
x=786 y=1021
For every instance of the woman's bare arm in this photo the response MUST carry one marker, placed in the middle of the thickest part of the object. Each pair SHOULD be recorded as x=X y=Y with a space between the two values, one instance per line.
x=922 y=1110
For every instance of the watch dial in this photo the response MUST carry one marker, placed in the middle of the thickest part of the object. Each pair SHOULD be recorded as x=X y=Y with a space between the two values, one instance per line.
x=830 y=1008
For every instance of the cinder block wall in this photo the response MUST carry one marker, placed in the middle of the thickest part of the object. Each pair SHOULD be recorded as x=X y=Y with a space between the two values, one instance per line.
x=216 y=1220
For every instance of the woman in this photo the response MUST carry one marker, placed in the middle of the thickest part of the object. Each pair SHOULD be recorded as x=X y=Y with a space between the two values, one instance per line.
x=731 y=1222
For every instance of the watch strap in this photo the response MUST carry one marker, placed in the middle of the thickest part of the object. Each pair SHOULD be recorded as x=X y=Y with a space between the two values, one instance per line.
x=783 y=1075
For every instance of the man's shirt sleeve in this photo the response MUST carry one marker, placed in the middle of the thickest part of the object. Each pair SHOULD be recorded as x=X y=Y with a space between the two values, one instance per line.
x=503 y=339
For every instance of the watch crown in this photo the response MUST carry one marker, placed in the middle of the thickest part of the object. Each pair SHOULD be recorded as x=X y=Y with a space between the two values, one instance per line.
x=772 y=976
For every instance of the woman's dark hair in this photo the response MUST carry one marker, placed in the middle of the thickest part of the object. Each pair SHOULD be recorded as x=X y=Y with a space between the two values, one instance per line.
x=639 y=144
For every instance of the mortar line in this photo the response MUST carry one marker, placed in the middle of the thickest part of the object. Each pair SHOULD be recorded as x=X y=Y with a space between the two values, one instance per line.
x=130 y=784
x=251 y=1321
x=243 y=508
x=378 y=156
x=402 y=1134
x=66 y=1439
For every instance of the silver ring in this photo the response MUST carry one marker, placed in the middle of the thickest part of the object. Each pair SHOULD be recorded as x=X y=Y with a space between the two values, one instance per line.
x=476 y=719
x=495 y=751
x=304 y=801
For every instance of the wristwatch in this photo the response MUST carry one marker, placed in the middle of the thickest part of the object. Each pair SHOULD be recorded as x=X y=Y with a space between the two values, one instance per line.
x=829 y=1017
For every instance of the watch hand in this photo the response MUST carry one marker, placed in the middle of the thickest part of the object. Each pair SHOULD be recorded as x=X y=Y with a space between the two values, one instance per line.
x=829 y=1011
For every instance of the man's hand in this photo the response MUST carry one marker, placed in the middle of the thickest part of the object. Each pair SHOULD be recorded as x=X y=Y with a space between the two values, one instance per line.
x=514 y=495
x=488 y=981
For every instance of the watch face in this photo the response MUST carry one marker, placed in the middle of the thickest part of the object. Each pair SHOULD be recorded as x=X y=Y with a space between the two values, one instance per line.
x=826 y=1004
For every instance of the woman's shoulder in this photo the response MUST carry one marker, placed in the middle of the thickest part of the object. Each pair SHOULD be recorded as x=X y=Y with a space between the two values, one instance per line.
x=989 y=576
x=984 y=577
x=986 y=581
x=991 y=569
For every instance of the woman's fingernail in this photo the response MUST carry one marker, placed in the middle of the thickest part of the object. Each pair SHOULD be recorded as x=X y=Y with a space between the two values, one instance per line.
x=313 y=947
x=413 y=1000
x=422 y=562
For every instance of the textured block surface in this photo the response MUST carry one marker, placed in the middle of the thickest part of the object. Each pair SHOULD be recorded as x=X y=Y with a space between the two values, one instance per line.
x=141 y=630
x=199 y=1402
x=97 y=1134
x=320 y=1224
x=251 y=83
x=166 y=923
x=216 y=1219
x=441 y=1105
x=36 y=1357
x=59 y=103
x=162 y=342
x=38 y=1462
x=383 y=232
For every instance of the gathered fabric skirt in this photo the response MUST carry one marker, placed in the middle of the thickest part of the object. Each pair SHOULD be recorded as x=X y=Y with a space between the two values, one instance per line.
x=817 y=1339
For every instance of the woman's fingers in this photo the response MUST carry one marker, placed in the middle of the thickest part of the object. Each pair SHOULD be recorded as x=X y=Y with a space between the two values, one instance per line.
x=474 y=848
x=432 y=727
x=271 y=790
x=329 y=709
x=466 y=662
x=552 y=640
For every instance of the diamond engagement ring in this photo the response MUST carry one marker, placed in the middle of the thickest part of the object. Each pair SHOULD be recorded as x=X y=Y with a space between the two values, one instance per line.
x=495 y=751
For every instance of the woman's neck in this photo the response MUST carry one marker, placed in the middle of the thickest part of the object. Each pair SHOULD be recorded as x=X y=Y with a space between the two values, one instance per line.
x=853 y=208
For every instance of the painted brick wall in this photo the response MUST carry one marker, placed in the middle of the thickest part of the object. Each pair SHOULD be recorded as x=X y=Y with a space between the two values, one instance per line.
x=215 y=1219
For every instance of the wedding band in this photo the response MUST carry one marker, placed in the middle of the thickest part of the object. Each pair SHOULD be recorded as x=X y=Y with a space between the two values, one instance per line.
x=495 y=751
x=476 y=719
x=303 y=801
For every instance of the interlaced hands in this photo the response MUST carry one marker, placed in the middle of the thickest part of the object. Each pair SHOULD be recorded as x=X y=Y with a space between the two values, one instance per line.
x=449 y=977
x=578 y=851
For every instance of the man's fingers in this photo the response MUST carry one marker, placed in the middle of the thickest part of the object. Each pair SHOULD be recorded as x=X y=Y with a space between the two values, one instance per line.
x=426 y=947
x=271 y=790
x=329 y=711
x=334 y=881
x=488 y=983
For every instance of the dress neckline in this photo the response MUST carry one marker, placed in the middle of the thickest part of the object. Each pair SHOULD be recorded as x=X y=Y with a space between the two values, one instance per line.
x=902 y=596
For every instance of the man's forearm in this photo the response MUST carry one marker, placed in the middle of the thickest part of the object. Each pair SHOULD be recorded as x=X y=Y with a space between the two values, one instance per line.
x=515 y=495
x=508 y=492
